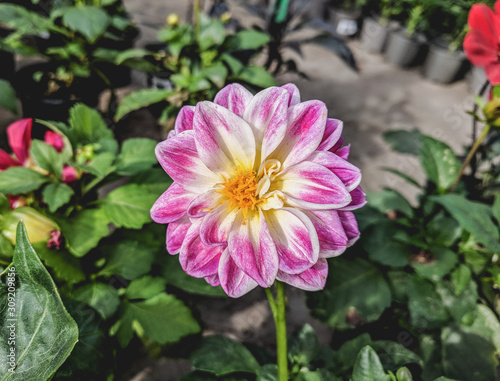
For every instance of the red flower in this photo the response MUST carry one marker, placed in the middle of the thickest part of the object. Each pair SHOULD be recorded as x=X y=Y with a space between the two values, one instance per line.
x=482 y=43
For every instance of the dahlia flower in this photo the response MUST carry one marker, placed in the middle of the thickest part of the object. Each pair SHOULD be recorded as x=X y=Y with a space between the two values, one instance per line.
x=262 y=190
x=481 y=44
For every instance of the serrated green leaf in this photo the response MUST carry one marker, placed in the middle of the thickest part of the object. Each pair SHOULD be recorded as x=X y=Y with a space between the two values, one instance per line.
x=368 y=367
x=84 y=231
x=128 y=259
x=90 y=21
x=47 y=158
x=136 y=156
x=56 y=195
x=17 y=180
x=88 y=124
x=220 y=355
x=8 y=99
x=217 y=74
x=45 y=333
x=65 y=267
x=140 y=99
x=129 y=206
x=101 y=297
x=145 y=287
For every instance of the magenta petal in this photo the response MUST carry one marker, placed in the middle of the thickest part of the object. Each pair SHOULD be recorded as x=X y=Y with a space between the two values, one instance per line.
x=235 y=98
x=306 y=126
x=312 y=186
x=268 y=116
x=216 y=225
x=295 y=239
x=331 y=235
x=69 y=174
x=350 y=226
x=184 y=120
x=232 y=279
x=204 y=203
x=7 y=161
x=313 y=279
x=343 y=152
x=293 y=92
x=358 y=200
x=176 y=232
x=333 y=130
x=171 y=205
x=252 y=248
x=179 y=158
x=197 y=259
x=345 y=171
x=19 y=136
x=225 y=142
x=55 y=140
x=213 y=280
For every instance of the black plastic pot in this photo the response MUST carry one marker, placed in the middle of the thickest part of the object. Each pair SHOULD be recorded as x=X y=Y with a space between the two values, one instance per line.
x=405 y=51
x=444 y=66
x=37 y=103
x=373 y=36
x=345 y=23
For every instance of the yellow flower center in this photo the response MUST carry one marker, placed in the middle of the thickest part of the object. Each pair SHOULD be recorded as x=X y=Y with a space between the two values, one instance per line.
x=241 y=190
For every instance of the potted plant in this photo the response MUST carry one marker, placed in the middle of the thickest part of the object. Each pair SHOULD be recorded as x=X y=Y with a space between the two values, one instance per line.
x=405 y=46
x=375 y=31
x=344 y=16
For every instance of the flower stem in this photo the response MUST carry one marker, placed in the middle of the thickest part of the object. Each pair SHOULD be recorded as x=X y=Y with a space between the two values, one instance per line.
x=469 y=157
x=278 y=309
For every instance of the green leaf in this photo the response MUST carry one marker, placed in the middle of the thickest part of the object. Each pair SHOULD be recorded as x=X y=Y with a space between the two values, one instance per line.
x=303 y=345
x=16 y=180
x=101 y=297
x=137 y=155
x=56 y=195
x=444 y=261
x=139 y=99
x=212 y=32
x=220 y=355
x=439 y=162
x=63 y=265
x=317 y=375
x=394 y=355
x=246 y=40
x=130 y=54
x=426 y=308
x=443 y=230
x=88 y=124
x=379 y=243
x=403 y=141
x=8 y=99
x=6 y=248
x=368 y=367
x=128 y=259
x=354 y=285
x=24 y=21
x=145 y=287
x=162 y=319
x=404 y=374
x=467 y=356
x=100 y=165
x=473 y=217
x=154 y=180
x=90 y=21
x=47 y=158
x=460 y=278
x=346 y=356
x=128 y=206
x=486 y=325
x=256 y=75
x=217 y=74
x=84 y=231
x=389 y=200
x=234 y=64
x=496 y=208
x=45 y=333
x=402 y=175
x=462 y=308
x=268 y=372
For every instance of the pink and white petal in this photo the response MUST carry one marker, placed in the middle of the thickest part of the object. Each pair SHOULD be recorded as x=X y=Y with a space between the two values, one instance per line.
x=306 y=126
x=225 y=142
x=312 y=186
x=252 y=248
x=331 y=235
x=7 y=161
x=350 y=226
x=294 y=94
x=345 y=171
x=216 y=224
x=171 y=205
x=313 y=279
x=267 y=114
x=19 y=136
x=197 y=259
x=213 y=280
x=295 y=238
x=55 y=140
x=235 y=98
x=176 y=232
x=333 y=130
x=343 y=152
x=232 y=279
x=184 y=120
x=179 y=158
x=69 y=174
x=204 y=203
x=358 y=200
